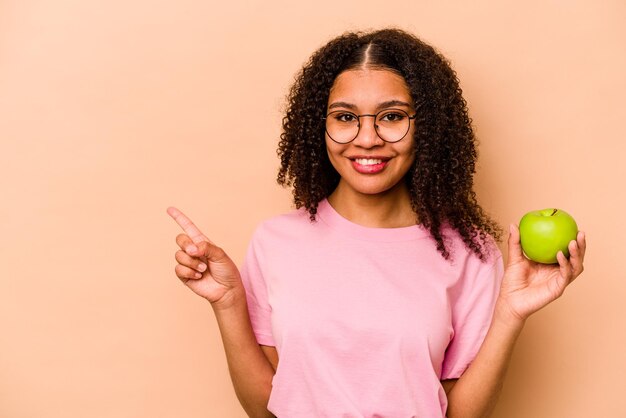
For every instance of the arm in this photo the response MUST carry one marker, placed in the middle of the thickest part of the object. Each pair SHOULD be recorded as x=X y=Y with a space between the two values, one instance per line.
x=526 y=288
x=476 y=391
x=208 y=271
x=250 y=369
x=271 y=354
x=448 y=384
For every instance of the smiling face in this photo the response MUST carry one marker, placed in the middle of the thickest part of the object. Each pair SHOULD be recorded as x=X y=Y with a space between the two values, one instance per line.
x=368 y=165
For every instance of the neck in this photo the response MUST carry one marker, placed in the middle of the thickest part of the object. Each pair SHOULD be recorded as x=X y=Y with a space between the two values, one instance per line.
x=390 y=209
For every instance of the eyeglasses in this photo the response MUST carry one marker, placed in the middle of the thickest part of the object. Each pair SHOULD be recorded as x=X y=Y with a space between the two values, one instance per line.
x=391 y=125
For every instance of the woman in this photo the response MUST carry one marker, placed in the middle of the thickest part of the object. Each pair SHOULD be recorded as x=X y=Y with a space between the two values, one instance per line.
x=383 y=294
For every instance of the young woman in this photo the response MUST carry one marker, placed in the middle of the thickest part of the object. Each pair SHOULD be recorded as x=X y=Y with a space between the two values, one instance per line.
x=383 y=293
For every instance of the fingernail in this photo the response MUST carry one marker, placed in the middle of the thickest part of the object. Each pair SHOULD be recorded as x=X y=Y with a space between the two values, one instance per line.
x=198 y=275
x=201 y=266
x=192 y=249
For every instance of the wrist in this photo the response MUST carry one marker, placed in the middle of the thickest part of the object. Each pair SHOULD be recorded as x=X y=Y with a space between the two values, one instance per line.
x=234 y=298
x=504 y=315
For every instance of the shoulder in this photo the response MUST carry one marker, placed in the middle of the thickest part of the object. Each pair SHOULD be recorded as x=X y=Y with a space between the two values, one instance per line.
x=464 y=257
x=474 y=278
x=285 y=226
x=281 y=239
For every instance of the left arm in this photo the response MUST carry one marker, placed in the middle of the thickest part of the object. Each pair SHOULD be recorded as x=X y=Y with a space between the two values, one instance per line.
x=526 y=287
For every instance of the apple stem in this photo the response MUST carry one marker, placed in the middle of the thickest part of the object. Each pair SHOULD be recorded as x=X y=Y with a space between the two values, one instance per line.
x=555 y=211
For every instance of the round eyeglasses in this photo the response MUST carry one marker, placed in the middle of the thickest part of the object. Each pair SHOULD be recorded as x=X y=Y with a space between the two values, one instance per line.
x=391 y=125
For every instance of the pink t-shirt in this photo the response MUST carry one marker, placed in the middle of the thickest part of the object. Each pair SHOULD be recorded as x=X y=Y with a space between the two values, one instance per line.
x=366 y=321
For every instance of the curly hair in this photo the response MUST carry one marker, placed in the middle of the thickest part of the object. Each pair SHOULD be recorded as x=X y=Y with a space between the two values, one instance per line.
x=441 y=178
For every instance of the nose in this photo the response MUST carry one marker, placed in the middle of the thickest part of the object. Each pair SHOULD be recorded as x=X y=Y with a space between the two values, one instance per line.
x=367 y=136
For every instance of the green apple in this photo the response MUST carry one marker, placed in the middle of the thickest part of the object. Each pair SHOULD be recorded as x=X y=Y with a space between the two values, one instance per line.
x=543 y=233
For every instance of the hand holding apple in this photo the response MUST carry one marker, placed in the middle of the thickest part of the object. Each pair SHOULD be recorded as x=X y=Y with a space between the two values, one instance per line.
x=545 y=232
x=528 y=286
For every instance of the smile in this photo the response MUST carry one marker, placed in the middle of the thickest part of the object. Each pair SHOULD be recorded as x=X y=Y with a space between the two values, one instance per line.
x=363 y=161
x=369 y=165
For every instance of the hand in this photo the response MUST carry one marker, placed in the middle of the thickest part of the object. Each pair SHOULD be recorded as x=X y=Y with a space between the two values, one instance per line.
x=204 y=267
x=528 y=286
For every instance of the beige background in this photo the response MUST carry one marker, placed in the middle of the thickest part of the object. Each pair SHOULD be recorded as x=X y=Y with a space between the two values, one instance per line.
x=110 y=111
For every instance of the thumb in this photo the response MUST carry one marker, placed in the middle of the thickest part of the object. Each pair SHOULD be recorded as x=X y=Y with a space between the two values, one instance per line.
x=515 y=247
x=220 y=266
x=211 y=252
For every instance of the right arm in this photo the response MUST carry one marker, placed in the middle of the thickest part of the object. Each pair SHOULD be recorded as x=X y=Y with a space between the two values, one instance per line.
x=250 y=369
x=251 y=366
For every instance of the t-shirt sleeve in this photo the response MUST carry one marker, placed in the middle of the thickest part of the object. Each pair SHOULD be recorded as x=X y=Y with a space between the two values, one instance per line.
x=259 y=308
x=472 y=311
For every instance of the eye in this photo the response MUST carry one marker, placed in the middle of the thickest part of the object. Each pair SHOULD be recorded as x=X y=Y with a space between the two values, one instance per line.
x=344 y=117
x=392 y=116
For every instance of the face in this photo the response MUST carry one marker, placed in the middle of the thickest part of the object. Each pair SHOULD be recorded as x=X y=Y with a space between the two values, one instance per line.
x=368 y=165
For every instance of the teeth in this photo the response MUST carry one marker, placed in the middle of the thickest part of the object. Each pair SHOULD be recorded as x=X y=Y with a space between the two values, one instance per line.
x=363 y=161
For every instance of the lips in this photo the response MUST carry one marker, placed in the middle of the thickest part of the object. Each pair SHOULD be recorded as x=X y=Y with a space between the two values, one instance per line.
x=369 y=165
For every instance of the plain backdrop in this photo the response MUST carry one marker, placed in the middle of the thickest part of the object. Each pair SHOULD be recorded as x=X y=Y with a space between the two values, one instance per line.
x=111 y=111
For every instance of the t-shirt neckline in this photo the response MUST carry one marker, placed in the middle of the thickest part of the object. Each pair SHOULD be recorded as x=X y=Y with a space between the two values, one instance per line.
x=332 y=218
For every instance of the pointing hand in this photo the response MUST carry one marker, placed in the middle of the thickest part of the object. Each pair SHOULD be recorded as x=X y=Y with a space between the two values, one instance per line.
x=203 y=266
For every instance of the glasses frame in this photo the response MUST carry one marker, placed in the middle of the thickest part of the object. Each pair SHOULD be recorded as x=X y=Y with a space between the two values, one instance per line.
x=375 y=116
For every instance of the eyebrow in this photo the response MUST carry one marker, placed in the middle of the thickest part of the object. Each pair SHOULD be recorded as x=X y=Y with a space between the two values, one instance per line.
x=389 y=103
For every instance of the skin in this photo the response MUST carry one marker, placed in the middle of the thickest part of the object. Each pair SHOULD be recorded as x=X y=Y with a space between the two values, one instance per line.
x=382 y=199
x=208 y=271
x=379 y=200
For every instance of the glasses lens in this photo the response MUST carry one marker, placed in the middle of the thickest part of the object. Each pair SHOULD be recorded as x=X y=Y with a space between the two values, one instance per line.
x=342 y=126
x=392 y=124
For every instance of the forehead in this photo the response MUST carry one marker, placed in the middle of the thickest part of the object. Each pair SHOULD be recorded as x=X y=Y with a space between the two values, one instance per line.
x=369 y=85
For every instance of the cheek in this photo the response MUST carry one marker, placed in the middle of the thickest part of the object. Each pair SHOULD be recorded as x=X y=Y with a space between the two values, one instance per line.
x=409 y=151
x=333 y=150
x=411 y=155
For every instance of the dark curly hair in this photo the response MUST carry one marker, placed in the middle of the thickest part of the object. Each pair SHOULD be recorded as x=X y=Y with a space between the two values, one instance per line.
x=441 y=177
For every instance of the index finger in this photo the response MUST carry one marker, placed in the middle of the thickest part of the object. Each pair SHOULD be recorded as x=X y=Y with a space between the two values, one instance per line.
x=187 y=226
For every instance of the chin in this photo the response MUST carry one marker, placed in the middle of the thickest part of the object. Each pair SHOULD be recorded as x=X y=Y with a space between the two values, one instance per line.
x=373 y=189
